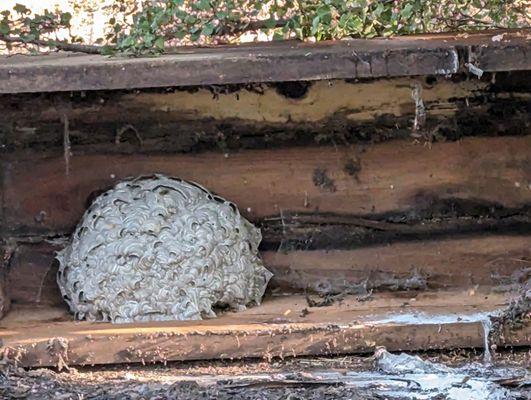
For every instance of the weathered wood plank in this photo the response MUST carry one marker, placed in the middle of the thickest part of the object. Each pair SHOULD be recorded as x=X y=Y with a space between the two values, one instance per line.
x=465 y=262
x=438 y=220
x=278 y=61
x=32 y=275
x=278 y=328
x=494 y=260
x=39 y=197
x=185 y=117
x=265 y=116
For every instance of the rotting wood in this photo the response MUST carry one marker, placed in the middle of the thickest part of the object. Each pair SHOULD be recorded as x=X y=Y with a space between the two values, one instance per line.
x=275 y=329
x=394 y=177
x=440 y=219
x=5 y=298
x=265 y=116
x=465 y=262
x=493 y=260
x=277 y=61
x=6 y=252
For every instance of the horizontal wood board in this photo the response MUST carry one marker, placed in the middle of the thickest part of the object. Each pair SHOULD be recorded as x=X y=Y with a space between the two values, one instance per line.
x=278 y=328
x=40 y=196
x=270 y=62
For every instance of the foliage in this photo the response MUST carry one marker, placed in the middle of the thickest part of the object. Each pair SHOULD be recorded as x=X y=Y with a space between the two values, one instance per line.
x=20 y=26
x=163 y=23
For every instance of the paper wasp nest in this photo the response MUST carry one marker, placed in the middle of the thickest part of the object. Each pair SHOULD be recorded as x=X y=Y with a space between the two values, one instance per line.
x=158 y=248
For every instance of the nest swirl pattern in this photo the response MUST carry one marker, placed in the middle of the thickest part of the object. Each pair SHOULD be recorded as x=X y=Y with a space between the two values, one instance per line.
x=159 y=248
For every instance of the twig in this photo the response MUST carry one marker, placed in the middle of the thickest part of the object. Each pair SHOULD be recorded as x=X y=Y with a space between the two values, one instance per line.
x=81 y=48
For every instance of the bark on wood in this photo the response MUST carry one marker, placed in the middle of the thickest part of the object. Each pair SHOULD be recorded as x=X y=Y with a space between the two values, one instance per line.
x=440 y=219
x=33 y=273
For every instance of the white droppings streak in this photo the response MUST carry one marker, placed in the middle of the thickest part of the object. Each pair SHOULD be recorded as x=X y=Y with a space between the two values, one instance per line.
x=432 y=380
x=415 y=318
x=157 y=248
x=486 y=323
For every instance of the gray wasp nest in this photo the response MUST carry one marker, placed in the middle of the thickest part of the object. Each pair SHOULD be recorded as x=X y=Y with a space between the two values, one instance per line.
x=158 y=248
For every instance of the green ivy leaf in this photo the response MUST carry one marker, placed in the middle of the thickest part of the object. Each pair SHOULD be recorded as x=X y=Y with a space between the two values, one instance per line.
x=407 y=11
x=159 y=43
x=108 y=50
x=66 y=18
x=378 y=10
x=202 y=5
x=315 y=25
x=4 y=27
x=270 y=23
x=222 y=14
x=323 y=11
x=278 y=35
x=195 y=36
x=208 y=29
x=22 y=9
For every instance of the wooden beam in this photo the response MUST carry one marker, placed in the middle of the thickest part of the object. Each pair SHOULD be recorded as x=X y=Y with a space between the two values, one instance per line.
x=269 y=62
x=488 y=260
x=397 y=176
x=278 y=328
x=464 y=262
x=265 y=116
x=438 y=220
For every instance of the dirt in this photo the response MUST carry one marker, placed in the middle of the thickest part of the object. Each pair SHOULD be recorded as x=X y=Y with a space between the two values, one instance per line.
x=323 y=181
x=293 y=378
x=353 y=168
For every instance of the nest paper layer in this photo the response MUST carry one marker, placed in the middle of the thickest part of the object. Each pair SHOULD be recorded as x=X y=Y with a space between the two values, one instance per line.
x=158 y=248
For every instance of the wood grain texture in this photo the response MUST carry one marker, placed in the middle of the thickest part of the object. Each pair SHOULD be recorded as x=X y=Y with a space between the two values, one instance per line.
x=39 y=197
x=463 y=262
x=32 y=275
x=489 y=260
x=265 y=115
x=275 y=329
x=269 y=62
